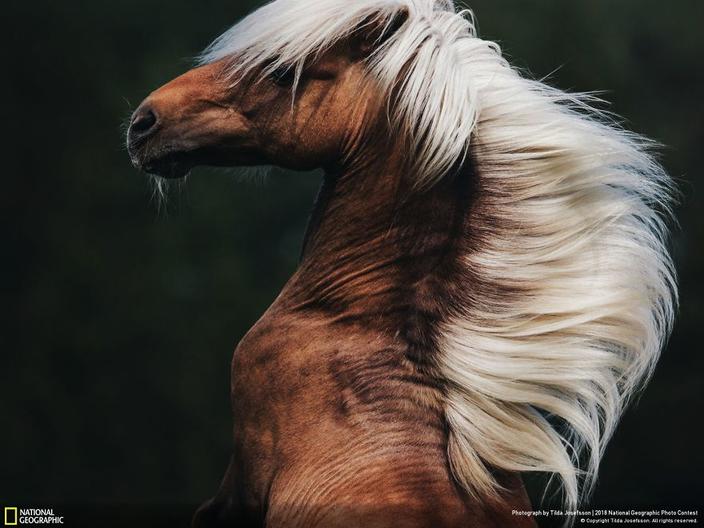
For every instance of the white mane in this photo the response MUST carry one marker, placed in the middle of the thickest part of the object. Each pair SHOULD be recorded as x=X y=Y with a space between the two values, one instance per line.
x=570 y=292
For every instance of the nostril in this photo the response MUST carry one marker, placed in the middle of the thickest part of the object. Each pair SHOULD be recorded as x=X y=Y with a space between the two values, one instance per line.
x=143 y=121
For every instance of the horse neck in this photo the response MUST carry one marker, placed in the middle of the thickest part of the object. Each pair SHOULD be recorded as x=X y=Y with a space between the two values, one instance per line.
x=380 y=253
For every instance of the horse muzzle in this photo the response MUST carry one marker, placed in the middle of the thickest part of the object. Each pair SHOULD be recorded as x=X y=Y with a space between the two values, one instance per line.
x=148 y=151
x=190 y=121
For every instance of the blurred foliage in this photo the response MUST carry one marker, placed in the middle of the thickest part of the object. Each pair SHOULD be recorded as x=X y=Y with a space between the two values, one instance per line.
x=119 y=320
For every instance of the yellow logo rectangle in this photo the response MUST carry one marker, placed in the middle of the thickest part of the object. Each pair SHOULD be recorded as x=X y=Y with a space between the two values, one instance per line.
x=10 y=516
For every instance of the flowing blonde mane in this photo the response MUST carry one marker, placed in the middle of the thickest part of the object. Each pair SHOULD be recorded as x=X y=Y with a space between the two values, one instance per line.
x=572 y=291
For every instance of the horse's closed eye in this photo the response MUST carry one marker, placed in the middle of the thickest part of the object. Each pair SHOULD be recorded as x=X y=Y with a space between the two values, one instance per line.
x=283 y=76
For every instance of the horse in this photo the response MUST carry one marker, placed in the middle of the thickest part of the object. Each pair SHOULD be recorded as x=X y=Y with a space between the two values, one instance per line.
x=483 y=286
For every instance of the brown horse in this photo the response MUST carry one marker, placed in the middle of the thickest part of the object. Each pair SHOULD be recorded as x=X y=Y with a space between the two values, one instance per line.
x=483 y=282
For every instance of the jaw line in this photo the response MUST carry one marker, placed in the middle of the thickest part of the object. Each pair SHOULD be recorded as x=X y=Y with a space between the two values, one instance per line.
x=172 y=161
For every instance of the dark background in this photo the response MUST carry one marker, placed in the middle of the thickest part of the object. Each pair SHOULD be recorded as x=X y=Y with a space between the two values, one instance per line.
x=119 y=318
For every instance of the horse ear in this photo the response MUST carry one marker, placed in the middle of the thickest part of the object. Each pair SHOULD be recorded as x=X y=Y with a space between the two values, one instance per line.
x=373 y=33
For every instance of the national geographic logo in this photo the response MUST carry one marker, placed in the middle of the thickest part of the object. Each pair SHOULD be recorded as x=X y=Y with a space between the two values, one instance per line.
x=14 y=516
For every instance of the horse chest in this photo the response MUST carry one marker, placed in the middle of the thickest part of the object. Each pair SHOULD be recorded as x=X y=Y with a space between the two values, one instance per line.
x=278 y=382
x=273 y=365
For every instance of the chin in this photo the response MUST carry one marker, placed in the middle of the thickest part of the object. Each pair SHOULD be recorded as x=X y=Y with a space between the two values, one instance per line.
x=170 y=164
